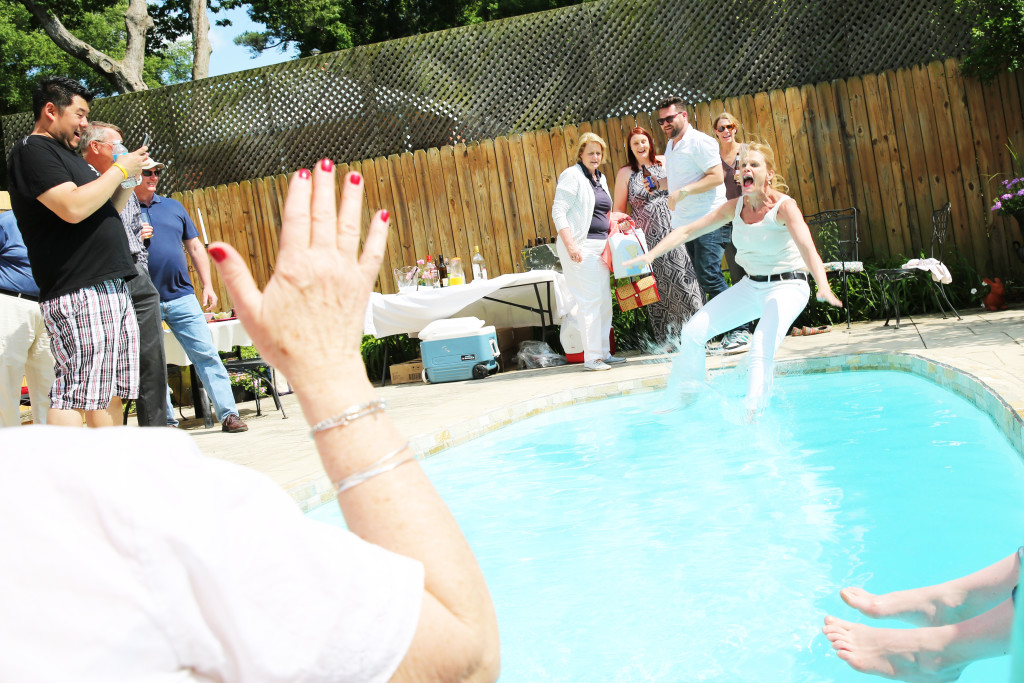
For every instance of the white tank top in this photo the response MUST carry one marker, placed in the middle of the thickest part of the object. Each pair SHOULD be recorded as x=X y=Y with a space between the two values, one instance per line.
x=765 y=247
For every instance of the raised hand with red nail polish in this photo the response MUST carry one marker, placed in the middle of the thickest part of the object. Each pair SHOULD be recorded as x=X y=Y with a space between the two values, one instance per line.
x=308 y=324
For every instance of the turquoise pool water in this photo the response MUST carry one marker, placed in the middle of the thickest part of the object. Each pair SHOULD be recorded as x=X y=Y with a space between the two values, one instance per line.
x=623 y=545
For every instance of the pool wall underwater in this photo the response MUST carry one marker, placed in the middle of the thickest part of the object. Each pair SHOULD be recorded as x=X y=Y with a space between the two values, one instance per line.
x=1008 y=420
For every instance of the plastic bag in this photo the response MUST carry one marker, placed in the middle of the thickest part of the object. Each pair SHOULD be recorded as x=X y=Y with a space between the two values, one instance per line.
x=537 y=354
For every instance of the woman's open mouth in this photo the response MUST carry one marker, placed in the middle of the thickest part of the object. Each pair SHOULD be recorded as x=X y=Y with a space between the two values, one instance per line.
x=748 y=180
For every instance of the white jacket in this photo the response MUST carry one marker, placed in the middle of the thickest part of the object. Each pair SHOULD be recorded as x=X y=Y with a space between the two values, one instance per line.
x=573 y=206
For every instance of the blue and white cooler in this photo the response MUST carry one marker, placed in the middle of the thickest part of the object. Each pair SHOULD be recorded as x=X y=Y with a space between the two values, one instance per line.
x=458 y=349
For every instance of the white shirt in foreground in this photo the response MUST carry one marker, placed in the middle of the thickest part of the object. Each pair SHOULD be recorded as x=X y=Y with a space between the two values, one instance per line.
x=129 y=556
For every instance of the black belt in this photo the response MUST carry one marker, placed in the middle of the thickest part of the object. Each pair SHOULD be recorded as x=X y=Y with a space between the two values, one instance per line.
x=19 y=295
x=791 y=275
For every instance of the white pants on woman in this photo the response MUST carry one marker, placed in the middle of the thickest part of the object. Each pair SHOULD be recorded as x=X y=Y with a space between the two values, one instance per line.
x=777 y=304
x=588 y=282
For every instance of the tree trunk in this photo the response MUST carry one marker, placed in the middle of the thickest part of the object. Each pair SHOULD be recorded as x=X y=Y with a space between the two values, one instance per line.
x=126 y=74
x=201 y=48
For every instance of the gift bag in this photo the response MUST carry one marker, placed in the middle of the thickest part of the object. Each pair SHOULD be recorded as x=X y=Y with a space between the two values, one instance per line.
x=625 y=245
x=642 y=291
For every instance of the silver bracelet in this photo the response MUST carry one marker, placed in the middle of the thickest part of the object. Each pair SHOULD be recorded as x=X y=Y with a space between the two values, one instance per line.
x=379 y=467
x=350 y=414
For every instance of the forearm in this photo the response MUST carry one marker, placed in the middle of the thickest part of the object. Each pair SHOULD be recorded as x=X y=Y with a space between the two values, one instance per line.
x=400 y=510
x=814 y=266
x=709 y=181
x=701 y=226
x=120 y=197
x=75 y=204
x=201 y=262
x=565 y=234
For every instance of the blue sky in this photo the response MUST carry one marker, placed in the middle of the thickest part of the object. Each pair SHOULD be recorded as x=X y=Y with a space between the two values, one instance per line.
x=228 y=57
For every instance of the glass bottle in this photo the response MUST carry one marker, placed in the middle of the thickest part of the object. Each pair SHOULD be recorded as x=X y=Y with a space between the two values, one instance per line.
x=456 y=276
x=479 y=267
x=442 y=271
x=431 y=273
x=652 y=184
x=131 y=181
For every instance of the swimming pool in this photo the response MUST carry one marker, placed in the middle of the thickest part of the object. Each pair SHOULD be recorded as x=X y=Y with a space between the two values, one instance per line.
x=623 y=545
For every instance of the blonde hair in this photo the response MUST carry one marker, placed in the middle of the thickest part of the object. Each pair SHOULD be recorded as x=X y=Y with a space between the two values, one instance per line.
x=731 y=119
x=586 y=139
x=764 y=149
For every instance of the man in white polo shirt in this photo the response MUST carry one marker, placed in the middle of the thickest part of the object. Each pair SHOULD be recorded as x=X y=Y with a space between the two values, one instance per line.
x=695 y=181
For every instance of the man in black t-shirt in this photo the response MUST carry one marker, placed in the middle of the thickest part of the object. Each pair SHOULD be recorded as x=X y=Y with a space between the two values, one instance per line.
x=79 y=255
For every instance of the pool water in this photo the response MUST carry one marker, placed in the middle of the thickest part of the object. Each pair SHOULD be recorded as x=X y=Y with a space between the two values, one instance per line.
x=620 y=544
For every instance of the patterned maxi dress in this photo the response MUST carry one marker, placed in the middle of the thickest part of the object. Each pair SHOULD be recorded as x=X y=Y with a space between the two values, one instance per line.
x=681 y=295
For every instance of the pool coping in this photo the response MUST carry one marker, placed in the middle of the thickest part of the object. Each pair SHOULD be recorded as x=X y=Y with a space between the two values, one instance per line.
x=318 y=490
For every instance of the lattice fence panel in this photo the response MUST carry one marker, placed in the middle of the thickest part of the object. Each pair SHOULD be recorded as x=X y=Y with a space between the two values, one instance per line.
x=586 y=62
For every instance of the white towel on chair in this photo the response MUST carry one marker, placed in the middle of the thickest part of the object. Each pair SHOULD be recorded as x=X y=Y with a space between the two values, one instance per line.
x=939 y=271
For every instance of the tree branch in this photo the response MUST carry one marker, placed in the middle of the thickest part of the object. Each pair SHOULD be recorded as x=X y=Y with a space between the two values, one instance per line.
x=125 y=75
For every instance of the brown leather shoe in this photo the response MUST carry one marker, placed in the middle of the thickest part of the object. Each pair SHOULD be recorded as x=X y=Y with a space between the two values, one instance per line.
x=233 y=423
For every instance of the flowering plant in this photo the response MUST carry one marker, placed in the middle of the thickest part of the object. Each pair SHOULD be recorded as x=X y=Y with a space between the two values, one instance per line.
x=1012 y=199
x=979 y=293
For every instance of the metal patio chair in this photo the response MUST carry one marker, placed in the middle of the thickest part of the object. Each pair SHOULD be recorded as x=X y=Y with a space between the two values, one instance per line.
x=836 y=237
x=889 y=277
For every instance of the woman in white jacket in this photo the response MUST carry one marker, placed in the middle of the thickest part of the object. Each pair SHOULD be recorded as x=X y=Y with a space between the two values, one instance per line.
x=580 y=211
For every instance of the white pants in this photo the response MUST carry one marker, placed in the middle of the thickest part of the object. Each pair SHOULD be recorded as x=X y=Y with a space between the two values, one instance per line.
x=777 y=304
x=588 y=282
x=24 y=352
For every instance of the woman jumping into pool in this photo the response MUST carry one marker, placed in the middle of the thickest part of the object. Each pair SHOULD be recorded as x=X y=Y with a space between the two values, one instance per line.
x=774 y=246
x=961 y=621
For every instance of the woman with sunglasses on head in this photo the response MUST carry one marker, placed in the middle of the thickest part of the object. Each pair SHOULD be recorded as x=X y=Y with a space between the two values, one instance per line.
x=726 y=129
x=774 y=246
x=637 y=182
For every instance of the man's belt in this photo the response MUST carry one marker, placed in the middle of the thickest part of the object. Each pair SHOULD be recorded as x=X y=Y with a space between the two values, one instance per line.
x=791 y=275
x=19 y=295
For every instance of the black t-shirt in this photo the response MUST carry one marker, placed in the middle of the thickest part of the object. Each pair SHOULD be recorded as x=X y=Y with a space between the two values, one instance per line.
x=65 y=256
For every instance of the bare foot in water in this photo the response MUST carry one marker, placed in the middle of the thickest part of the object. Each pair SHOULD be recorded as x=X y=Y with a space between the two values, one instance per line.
x=916 y=655
x=927 y=606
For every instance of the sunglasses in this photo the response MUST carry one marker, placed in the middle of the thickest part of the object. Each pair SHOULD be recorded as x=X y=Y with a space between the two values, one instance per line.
x=149 y=173
x=662 y=122
x=728 y=126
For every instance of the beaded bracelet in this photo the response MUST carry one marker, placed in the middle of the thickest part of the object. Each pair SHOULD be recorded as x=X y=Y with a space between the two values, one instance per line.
x=379 y=467
x=350 y=414
x=121 y=168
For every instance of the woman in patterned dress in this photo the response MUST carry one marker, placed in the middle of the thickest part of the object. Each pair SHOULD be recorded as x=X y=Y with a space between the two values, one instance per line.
x=681 y=295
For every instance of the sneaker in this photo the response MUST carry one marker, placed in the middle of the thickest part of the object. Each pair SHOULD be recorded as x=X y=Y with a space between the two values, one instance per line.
x=737 y=341
x=613 y=360
x=596 y=365
x=232 y=424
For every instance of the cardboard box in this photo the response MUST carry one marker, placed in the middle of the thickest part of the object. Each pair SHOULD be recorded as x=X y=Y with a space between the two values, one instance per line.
x=404 y=373
x=507 y=347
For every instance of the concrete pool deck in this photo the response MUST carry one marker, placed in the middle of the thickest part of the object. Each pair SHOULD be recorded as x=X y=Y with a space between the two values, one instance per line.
x=989 y=346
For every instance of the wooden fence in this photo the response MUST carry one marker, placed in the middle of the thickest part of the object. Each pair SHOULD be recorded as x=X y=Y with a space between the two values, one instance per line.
x=896 y=145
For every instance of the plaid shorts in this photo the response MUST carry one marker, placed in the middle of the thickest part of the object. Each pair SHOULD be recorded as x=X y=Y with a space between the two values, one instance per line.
x=94 y=337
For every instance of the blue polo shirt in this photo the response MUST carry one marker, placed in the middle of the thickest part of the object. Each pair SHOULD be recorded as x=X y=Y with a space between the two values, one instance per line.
x=168 y=268
x=15 y=271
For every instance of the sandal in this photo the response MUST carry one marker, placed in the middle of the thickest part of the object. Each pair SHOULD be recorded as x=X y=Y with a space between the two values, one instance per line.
x=807 y=331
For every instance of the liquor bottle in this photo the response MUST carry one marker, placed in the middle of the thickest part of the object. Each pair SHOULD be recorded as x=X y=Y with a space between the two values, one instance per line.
x=442 y=271
x=456 y=276
x=479 y=267
x=652 y=184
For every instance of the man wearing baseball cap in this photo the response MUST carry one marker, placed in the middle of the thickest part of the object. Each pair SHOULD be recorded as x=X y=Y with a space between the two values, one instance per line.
x=179 y=308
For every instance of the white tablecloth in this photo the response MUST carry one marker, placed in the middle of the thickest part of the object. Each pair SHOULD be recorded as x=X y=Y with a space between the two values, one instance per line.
x=226 y=334
x=389 y=314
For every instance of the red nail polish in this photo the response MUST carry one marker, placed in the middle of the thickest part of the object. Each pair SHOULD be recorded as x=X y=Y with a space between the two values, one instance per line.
x=355 y=178
x=304 y=173
x=218 y=254
x=384 y=215
x=326 y=165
